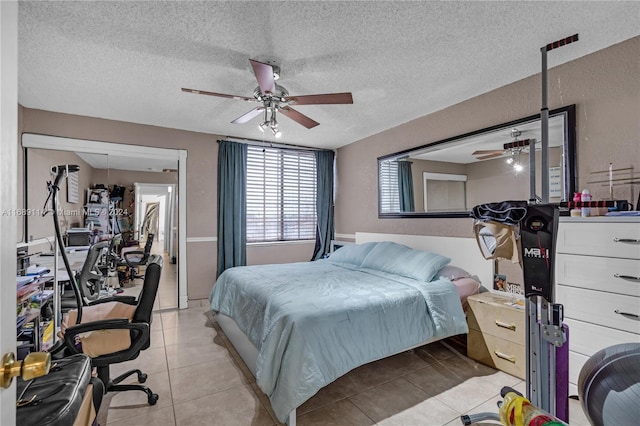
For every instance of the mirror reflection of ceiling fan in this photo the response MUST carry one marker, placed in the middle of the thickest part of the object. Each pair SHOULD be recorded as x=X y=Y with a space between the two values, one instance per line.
x=514 y=148
x=273 y=98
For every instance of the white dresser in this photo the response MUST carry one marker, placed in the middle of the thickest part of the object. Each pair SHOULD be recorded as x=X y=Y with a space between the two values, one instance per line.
x=598 y=282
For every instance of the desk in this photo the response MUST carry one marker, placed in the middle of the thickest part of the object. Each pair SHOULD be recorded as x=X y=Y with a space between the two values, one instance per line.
x=76 y=257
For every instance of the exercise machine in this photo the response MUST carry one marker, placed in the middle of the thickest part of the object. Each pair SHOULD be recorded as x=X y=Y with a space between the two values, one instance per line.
x=546 y=336
x=59 y=173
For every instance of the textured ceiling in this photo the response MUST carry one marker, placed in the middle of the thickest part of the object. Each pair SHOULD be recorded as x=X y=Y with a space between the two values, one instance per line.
x=401 y=60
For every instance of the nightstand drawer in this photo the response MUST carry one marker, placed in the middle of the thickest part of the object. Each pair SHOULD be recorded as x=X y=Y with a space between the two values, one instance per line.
x=610 y=240
x=601 y=308
x=490 y=315
x=498 y=353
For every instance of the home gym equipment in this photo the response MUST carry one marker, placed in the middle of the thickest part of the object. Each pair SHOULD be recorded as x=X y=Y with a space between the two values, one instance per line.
x=60 y=172
x=547 y=355
x=609 y=385
x=516 y=410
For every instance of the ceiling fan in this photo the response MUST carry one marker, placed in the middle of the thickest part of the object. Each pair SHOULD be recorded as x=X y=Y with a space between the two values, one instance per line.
x=514 y=148
x=273 y=98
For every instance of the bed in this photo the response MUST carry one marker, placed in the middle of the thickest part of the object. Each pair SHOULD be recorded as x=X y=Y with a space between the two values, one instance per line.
x=300 y=326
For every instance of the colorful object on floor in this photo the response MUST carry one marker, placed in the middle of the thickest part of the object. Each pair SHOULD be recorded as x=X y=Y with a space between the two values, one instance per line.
x=516 y=410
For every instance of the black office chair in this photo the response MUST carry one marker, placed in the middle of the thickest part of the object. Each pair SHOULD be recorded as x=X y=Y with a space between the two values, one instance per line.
x=89 y=281
x=136 y=258
x=92 y=277
x=139 y=332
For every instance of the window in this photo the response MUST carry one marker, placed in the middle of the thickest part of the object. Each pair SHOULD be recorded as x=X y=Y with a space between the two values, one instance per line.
x=281 y=194
x=389 y=192
x=444 y=192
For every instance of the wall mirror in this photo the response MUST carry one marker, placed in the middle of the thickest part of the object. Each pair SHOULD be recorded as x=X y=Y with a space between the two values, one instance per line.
x=132 y=177
x=448 y=177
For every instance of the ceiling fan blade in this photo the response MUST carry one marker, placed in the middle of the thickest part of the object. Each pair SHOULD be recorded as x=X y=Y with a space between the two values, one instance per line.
x=298 y=117
x=248 y=116
x=487 y=151
x=264 y=75
x=220 y=95
x=494 y=155
x=328 y=98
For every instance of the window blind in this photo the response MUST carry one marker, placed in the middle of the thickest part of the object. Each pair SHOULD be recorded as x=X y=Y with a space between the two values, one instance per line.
x=389 y=192
x=281 y=194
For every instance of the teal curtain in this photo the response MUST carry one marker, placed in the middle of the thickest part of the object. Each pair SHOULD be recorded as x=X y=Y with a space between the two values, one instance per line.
x=405 y=186
x=232 y=205
x=324 y=203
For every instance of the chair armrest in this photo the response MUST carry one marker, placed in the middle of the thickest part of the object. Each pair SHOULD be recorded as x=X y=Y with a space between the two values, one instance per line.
x=129 y=300
x=140 y=255
x=109 y=324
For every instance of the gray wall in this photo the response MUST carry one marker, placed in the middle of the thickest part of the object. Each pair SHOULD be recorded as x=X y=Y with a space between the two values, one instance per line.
x=40 y=162
x=605 y=88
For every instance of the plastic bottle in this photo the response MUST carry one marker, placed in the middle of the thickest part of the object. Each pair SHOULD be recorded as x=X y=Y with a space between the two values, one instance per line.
x=586 y=196
x=516 y=410
x=577 y=197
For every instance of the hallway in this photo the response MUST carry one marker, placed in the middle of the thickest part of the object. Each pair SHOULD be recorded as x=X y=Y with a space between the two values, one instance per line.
x=167 y=297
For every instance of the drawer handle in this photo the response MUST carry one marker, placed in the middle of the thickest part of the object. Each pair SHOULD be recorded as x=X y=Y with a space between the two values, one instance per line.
x=627 y=277
x=511 y=359
x=626 y=314
x=625 y=240
x=511 y=327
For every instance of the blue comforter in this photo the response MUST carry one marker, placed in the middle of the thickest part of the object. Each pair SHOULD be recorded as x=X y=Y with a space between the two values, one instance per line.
x=313 y=322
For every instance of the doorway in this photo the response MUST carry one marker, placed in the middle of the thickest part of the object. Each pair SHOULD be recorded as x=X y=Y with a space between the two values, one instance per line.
x=155 y=213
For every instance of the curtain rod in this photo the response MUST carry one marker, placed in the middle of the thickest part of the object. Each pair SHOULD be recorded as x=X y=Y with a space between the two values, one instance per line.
x=272 y=144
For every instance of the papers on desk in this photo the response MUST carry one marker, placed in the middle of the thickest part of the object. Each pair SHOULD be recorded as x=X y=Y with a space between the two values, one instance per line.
x=62 y=275
x=37 y=270
x=42 y=297
x=22 y=281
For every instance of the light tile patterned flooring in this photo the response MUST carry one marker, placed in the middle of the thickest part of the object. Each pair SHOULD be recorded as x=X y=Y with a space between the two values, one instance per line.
x=201 y=381
x=167 y=297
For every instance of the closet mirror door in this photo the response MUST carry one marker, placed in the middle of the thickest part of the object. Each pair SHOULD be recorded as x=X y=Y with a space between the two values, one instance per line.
x=100 y=199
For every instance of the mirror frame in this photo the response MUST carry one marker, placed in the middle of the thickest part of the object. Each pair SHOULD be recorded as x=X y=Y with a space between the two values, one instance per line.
x=570 y=177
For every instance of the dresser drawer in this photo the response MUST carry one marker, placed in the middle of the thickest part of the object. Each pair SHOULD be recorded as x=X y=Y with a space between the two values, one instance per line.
x=598 y=307
x=599 y=273
x=587 y=339
x=498 y=353
x=494 y=317
x=576 y=362
x=599 y=239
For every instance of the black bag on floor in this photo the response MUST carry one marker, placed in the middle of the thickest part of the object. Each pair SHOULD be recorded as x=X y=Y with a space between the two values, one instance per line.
x=57 y=398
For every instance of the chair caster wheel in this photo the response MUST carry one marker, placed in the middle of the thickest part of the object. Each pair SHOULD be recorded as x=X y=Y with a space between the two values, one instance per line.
x=142 y=378
x=153 y=398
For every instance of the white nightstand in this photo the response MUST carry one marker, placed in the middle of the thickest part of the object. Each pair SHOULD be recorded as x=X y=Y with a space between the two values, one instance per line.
x=497 y=332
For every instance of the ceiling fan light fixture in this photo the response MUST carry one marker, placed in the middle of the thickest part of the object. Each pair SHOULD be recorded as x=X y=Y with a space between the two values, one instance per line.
x=271 y=97
x=517 y=167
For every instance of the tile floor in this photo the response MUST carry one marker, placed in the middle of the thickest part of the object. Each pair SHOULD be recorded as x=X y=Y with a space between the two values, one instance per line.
x=201 y=381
